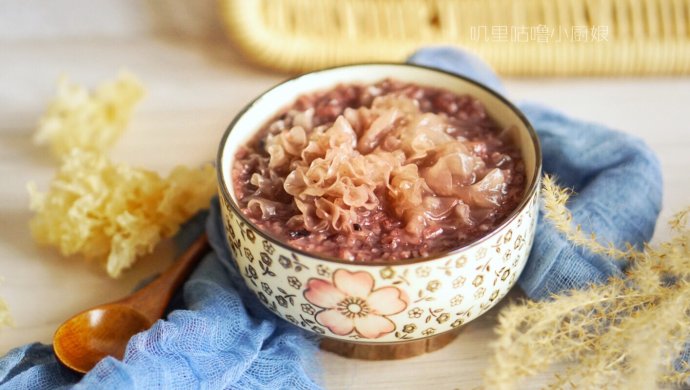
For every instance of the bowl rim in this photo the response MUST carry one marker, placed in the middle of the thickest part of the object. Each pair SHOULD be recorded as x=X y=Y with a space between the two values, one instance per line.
x=524 y=202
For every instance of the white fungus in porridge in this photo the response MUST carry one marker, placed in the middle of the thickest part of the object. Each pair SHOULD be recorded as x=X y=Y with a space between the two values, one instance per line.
x=379 y=172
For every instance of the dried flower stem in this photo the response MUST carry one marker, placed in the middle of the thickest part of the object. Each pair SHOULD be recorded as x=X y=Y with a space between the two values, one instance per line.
x=627 y=333
x=555 y=210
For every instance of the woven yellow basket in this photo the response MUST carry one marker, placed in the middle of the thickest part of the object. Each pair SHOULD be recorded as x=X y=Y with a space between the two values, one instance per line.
x=517 y=37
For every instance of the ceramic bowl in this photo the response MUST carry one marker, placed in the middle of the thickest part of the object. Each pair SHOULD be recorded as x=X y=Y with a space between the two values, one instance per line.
x=388 y=302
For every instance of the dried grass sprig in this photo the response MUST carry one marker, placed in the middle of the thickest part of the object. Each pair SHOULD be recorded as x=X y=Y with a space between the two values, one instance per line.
x=555 y=210
x=627 y=333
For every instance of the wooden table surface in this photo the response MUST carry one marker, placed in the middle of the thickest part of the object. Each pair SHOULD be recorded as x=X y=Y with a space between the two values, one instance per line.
x=194 y=89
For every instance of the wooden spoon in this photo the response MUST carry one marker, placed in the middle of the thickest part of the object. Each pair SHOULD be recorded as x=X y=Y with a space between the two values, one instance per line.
x=85 y=339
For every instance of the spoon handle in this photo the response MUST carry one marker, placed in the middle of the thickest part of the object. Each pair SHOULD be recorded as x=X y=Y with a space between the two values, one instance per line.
x=152 y=299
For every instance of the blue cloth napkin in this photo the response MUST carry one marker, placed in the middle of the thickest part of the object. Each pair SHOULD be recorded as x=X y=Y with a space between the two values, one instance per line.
x=219 y=336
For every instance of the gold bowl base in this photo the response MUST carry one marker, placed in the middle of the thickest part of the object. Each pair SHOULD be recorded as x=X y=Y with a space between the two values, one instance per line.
x=388 y=351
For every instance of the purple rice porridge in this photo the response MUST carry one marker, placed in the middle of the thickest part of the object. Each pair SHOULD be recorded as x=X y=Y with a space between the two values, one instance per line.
x=379 y=172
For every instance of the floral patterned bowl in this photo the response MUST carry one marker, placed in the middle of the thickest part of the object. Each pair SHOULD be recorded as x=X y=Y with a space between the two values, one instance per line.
x=400 y=300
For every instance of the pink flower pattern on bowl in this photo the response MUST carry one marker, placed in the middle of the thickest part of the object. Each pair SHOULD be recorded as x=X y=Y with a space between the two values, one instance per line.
x=350 y=303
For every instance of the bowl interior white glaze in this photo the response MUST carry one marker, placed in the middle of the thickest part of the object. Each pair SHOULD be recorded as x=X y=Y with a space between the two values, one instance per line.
x=259 y=112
